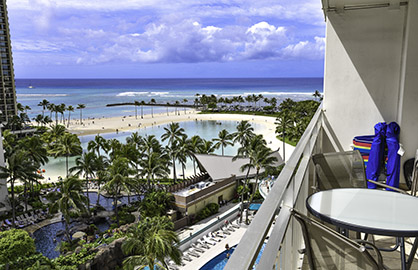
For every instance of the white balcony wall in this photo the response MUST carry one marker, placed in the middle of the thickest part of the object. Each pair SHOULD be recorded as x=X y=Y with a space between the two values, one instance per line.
x=371 y=73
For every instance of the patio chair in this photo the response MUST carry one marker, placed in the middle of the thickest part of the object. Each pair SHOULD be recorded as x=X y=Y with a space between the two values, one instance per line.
x=327 y=249
x=342 y=170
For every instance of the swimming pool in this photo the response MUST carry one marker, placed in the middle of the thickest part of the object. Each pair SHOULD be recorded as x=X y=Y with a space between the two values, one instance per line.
x=254 y=206
x=219 y=262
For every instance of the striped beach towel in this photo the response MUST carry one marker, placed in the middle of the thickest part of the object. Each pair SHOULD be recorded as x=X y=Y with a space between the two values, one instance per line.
x=364 y=144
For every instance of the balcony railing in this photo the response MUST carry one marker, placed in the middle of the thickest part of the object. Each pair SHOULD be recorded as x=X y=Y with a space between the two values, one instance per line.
x=290 y=190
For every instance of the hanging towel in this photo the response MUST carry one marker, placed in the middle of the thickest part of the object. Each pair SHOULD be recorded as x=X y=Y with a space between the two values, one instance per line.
x=376 y=154
x=394 y=159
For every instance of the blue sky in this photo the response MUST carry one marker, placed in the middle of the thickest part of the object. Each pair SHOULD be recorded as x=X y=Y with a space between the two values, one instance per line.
x=166 y=38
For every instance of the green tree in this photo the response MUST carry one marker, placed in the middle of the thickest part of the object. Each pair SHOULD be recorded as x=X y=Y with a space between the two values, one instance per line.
x=15 y=244
x=81 y=107
x=285 y=121
x=136 y=104
x=67 y=145
x=70 y=109
x=71 y=201
x=142 y=109
x=173 y=133
x=244 y=133
x=150 y=242
x=152 y=165
x=156 y=203
x=317 y=95
x=208 y=147
x=85 y=166
x=152 y=102
x=18 y=167
x=98 y=143
x=195 y=146
x=224 y=139
x=118 y=181
x=44 y=104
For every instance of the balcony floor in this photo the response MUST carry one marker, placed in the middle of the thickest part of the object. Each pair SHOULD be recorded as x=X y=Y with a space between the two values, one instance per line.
x=390 y=259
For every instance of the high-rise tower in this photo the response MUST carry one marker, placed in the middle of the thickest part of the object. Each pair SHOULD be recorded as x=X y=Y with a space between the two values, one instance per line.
x=8 y=106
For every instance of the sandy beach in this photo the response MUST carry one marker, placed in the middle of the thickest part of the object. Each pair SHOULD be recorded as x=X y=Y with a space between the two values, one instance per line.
x=129 y=122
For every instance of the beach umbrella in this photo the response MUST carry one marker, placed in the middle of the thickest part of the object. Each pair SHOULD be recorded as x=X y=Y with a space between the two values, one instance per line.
x=78 y=235
x=376 y=154
x=394 y=159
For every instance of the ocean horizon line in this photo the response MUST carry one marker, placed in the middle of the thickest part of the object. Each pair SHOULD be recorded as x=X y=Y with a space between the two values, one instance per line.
x=168 y=78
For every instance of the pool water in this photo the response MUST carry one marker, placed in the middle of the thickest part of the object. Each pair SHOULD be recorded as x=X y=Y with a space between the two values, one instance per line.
x=44 y=237
x=254 y=206
x=107 y=202
x=219 y=262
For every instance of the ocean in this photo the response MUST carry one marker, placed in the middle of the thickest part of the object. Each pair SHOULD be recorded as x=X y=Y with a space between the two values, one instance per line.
x=96 y=93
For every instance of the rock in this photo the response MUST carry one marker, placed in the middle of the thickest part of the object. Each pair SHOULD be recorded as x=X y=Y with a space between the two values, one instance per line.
x=77 y=250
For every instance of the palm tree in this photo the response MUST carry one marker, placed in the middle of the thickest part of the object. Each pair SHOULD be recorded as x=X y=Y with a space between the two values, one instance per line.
x=81 y=107
x=61 y=110
x=44 y=103
x=118 y=181
x=50 y=107
x=97 y=143
x=317 y=95
x=185 y=101
x=223 y=140
x=168 y=104
x=284 y=121
x=207 y=147
x=173 y=133
x=71 y=201
x=177 y=103
x=136 y=103
x=69 y=109
x=183 y=152
x=153 y=165
x=142 y=108
x=18 y=167
x=152 y=107
x=150 y=242
x=244 y=133
x=85 y=166
x=67 y=145
x=247 y=151
x=195 y=146
x=39 y=119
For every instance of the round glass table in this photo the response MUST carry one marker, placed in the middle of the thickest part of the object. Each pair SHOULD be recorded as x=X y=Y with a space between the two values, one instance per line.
x=370 y=211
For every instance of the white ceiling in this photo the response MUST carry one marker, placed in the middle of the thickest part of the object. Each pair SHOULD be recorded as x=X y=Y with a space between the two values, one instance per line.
x=340 y=4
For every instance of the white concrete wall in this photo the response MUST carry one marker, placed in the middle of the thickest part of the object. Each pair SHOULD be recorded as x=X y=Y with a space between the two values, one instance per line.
x=371 y=73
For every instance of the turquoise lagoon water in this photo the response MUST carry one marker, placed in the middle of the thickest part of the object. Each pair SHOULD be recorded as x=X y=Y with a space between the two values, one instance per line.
x=205 y=129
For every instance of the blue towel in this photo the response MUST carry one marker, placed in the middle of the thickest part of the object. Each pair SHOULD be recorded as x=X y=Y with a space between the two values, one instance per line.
x=376 y=154
x=394 y=159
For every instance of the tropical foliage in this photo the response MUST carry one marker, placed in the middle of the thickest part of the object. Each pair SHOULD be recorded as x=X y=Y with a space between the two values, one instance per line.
x=150 y=242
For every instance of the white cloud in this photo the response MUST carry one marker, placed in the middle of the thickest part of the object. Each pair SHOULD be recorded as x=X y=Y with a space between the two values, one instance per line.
x=162 y=31
x=306 y=49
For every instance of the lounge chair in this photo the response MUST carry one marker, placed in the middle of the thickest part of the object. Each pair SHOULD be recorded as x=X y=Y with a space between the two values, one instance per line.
x=192 y=253
x=225 y=231
x=208 y=241
x=201 y=243
x=197 y=248
x=230 y=228
x=187 y=258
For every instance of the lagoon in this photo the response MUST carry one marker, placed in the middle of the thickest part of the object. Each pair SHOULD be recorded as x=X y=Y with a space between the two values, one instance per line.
x=205 y=129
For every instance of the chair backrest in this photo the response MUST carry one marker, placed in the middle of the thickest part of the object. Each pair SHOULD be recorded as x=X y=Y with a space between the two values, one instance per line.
x=327 y=249
x=339 y=170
